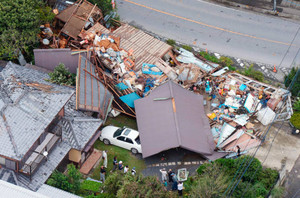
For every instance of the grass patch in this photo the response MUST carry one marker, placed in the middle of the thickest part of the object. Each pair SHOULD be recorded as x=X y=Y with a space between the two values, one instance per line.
x=171 y=42
x=252 y=73
x=121 y=121
x=211 y=58
x=90 y=186
x=122 y=155
x=187 y=47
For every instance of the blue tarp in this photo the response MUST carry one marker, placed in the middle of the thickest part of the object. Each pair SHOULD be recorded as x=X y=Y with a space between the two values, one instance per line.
x=149 y=71
x=130 y=98
x=121 y=86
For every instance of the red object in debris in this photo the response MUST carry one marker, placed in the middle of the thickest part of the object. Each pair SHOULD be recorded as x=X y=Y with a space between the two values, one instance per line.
x=274 y=70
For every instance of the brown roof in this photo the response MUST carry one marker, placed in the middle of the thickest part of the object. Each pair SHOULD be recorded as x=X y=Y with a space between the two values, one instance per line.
x=76 y=16
x=146 y=48
x=173 y=117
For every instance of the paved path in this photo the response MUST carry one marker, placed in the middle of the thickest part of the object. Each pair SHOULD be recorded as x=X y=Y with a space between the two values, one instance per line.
x=224 y=30
x=293 y=181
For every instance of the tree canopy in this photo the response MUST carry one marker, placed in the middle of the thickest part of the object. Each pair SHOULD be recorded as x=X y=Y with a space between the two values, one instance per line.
x=19 y=25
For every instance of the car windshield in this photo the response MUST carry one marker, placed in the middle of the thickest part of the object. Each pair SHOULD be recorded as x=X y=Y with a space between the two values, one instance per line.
x=137 y=140
x=118 y=133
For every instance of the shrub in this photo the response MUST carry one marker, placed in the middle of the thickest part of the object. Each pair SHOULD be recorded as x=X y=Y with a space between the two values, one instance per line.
x=254 y=167
x=104 y=5
x=268 y=177
x=91 y=185
x=277 y=192
x=296 y=105
x=201 y=168
x=227 y=165
x=211 y=58
x=46 y=14
x=252 y=73
x=62 y=76
x=171 y=42
x=295 y=88
x=225 y=61
x=187 y=47
x=295 y=119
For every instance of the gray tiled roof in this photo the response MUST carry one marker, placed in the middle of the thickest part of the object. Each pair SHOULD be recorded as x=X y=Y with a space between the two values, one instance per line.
x=26 y=110
x=83 y=125
x=55 y=192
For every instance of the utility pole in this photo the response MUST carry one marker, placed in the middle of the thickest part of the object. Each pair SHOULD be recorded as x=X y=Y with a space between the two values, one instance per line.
x=274 y=5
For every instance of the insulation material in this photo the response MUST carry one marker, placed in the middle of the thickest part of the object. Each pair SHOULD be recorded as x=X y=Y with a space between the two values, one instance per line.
x=226 y=131
x=266 y=115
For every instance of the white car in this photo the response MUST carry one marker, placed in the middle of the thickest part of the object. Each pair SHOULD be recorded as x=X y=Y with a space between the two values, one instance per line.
x=122 y=137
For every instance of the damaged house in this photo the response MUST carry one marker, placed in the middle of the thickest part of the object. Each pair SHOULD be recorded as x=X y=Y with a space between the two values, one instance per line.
x=40 y=127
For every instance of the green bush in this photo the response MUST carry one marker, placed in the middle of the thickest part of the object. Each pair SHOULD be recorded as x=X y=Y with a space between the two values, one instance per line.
x=171 y=42
x=211 y=58
x=252 y=73
x=295 y=119
x=62 y=76
x=225 y=61
x=277 y=192
x=202 y=168
x=187 y=47
x=46 y=14
x=91 y=185
x=227 y=165
x=104 y=5
x=268 y=177
x=254 y=167
x=295 y=88
x=296 y=105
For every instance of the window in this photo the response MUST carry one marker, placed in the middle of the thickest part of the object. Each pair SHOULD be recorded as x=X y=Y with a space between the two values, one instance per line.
x=121 y=138
x=137 y=140
x=118 y=132
x=128 y=140
x=127 y=131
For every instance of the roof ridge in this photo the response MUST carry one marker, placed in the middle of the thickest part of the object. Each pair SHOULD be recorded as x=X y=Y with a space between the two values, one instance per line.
x=11 y=137
x=174 y=112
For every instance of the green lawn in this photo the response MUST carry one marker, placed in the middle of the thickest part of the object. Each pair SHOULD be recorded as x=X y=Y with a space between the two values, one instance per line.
x=122 y=120
x=122 y=155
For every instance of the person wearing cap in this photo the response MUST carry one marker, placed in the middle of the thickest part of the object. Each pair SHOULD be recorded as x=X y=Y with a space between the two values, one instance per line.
x=163 y=174
x=120 y=165
x=102 y=173
x=133 y=171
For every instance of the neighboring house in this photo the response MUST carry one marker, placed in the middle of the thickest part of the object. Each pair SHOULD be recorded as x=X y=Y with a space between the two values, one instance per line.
x=11 y=190
x=39 y=126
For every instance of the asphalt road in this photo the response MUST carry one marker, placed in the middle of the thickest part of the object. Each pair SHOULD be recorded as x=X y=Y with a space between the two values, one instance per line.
x=231 y=32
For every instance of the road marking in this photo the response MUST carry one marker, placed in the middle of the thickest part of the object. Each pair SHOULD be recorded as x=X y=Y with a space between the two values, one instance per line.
x=207 y=25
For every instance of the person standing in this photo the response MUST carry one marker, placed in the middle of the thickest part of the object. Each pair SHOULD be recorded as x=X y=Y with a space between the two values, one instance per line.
x=180 y=188
x=174 y=178
x=126 y=169
x=133 y=171
x=120 y=165
x=115 y=163
x=163 y=174
x=170 y=175
x=102 y=173
x=104 y=157
x=238 y=151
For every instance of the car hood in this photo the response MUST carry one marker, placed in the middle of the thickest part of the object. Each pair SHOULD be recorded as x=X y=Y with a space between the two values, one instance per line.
x=108 y=131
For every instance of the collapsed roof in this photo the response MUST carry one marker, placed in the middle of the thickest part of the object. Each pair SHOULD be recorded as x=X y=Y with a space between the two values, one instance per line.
x=171 y=117
x=77 y=16
x=91 y=94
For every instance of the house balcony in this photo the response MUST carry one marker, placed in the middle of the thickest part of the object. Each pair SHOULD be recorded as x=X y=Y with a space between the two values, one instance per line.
x=39 y=154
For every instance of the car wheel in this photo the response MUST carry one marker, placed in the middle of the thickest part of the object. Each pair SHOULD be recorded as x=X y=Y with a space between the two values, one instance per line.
x=106 y=141
x=134 y=151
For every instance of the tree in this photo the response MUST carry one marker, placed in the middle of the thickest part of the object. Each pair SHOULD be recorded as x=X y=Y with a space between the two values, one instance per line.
x=104 y=5
x=19 y=26
x=211 y=183
x=126 y=186
x=62 y=76
x=69 y=182
x=295 y=88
